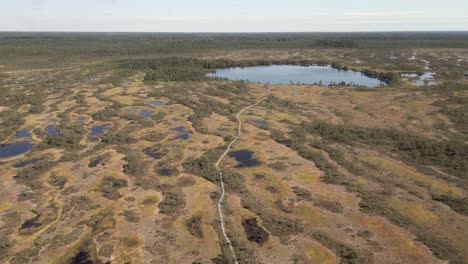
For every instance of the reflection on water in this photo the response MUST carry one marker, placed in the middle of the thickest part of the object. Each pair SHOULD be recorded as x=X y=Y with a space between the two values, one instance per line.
x=285 y=74
x=427 y=78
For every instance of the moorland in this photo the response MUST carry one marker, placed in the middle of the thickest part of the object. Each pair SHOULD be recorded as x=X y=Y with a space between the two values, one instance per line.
x=108 y=145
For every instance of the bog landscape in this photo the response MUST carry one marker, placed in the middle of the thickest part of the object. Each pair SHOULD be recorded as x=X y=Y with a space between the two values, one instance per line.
x=339 y=148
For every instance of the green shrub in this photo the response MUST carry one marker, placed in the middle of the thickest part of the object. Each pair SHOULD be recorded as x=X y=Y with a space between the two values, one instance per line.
x=172 y=202
x=194 y=227
x=203 y=166
x=68 y=137
x=135 y=165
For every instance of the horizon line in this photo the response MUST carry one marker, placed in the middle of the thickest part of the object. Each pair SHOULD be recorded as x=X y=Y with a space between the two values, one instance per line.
x=237 y=32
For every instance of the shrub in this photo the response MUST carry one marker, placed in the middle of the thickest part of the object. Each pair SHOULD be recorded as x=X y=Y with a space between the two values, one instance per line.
x=135 y=165
x=193 y=225
x=173 y=201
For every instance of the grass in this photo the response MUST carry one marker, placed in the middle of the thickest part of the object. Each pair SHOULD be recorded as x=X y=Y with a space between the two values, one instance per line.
x=130 y=242
x=113 y=91
x=194 y=226
x=347 y=254
x=319 y=254
x=414 y=211
x=313 y=217
x=437 y=186
x=307 y=176
x=150 y=200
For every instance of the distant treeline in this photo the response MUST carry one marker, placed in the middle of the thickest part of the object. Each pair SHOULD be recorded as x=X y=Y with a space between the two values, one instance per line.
x=57 y=49
x=391 y=78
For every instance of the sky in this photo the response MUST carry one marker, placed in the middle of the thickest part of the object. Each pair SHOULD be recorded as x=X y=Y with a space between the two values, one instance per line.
x=233 y=15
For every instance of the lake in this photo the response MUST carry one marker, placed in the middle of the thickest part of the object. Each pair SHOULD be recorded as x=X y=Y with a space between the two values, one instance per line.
x=286 y=74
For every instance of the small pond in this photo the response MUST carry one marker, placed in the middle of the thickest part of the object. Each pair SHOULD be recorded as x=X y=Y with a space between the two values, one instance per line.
x=26 y=163
x=183 y=133
x=23 y=133
x=96 y=161
x=146 y=113
x=97 y=130
x=52 y=130
x=244 y=158
x=10 y=150
x=152 y=153
x=261 y=123
x=410 y=75
x=156 y=103
x=81 y=118
x=165 y=171
x=427 y=78
x=286 y=74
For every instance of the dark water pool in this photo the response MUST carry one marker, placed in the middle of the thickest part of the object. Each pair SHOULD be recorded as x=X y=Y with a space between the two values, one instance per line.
x=183 y=133
x=23 y=133
x=285 y=74
x=180 y=129
x=52 y=130
x=261 y=123
x=97 y=130
x=28 y=162
x=81 y=118
x=165 y=171
x=146 y=113
x=152 y=153
x=157 y=103
x=10 y=150
x=96 y=161
x=244 y=158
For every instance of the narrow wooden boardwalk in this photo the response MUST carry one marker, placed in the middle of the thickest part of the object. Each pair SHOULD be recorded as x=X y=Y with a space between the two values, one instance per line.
x=223 y=192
